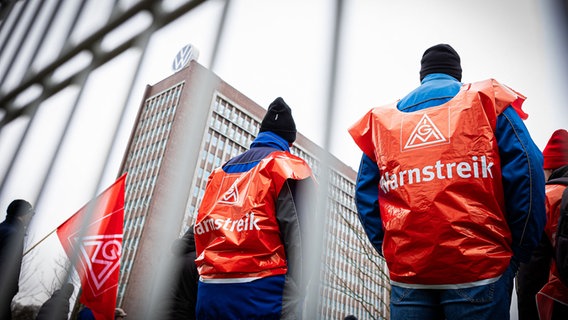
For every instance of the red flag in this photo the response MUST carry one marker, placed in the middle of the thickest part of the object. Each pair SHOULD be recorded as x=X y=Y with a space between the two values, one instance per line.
x=99 y=249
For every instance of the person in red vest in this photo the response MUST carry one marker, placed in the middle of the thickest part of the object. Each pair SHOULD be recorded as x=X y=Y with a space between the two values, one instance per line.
x=450 y=190
x=539 y=279
x=250 y=230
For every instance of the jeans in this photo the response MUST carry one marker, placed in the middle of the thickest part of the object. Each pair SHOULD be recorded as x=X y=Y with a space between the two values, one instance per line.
x=491 y=301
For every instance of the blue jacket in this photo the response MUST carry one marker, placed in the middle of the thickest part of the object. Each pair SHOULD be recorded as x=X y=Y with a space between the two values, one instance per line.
x=521 y=167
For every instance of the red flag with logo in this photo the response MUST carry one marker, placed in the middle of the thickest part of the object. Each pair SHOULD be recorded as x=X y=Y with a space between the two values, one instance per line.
x=99 y=249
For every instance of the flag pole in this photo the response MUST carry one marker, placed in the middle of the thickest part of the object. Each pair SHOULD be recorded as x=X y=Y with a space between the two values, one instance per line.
x=40 y=241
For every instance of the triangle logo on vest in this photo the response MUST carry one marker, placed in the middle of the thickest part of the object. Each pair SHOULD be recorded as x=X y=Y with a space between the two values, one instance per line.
x=425 y=133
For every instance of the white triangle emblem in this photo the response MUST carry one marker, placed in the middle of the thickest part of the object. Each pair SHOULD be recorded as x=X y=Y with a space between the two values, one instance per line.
x=232 y=195
x=424 y=134
x=104 y=261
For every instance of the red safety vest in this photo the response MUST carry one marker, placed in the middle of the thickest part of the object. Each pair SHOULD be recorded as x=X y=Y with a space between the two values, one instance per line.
x=554 y=290
x=440 y=193
x=237 y=237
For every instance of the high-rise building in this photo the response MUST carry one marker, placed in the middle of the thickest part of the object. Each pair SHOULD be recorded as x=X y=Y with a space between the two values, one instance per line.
x=353 y=277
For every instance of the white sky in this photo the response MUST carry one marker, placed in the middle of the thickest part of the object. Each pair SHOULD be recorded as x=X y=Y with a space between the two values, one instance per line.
x=282 y=48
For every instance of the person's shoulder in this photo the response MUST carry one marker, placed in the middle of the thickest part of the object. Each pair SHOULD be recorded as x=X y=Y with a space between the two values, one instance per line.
x=6 y=227
x=491 y=84
x=282 y=155
x=285 y=160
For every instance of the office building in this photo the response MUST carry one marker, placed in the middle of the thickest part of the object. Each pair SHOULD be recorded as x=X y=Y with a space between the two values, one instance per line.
x=353 y=277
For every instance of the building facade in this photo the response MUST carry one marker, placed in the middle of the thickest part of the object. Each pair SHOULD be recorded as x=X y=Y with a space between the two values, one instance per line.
x=353 y=278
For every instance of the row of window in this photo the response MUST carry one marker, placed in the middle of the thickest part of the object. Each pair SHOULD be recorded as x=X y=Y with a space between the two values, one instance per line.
x=349 y=268
x=146 y=156
x=236 y=116
x=133 y=232
x=157 y=115
x=170 y=96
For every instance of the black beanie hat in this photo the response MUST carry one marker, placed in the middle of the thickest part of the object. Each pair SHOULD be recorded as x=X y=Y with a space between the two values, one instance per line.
x=441 y=58
x=19 y=208
x=278 y=119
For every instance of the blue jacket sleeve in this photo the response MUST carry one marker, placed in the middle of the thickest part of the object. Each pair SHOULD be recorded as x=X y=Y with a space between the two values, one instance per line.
x=367 y=202
x=523 y=183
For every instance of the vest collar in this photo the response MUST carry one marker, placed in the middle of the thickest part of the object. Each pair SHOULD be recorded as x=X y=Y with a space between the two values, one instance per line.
x=270 y=139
